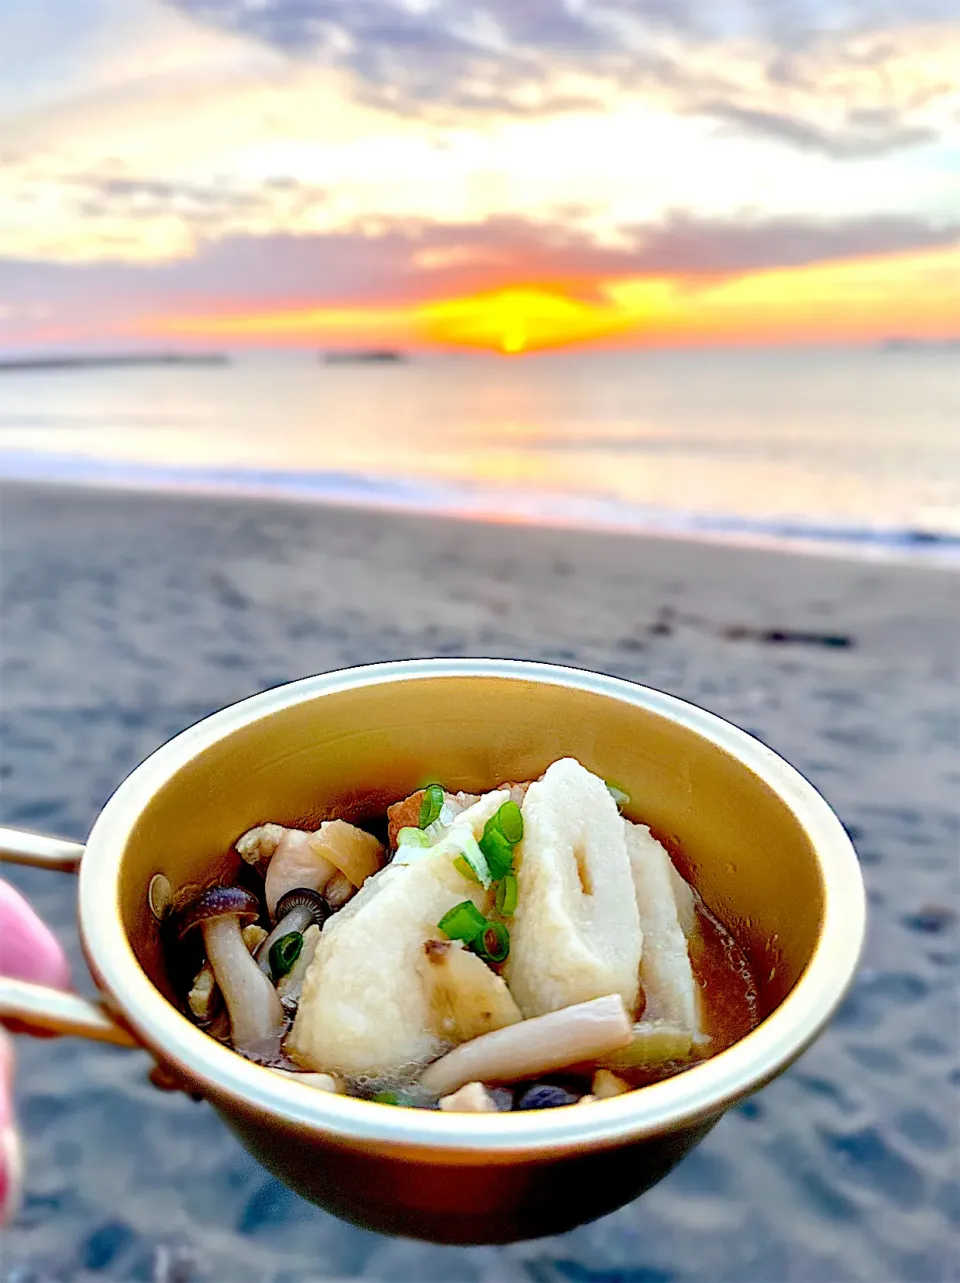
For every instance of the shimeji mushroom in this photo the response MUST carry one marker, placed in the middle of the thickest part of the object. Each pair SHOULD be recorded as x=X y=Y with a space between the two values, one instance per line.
x=204 y=996
x=296 y=911
x=582 y=1032
x=256 y=1014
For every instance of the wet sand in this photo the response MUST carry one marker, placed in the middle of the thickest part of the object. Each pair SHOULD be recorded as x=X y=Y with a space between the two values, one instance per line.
x=127 y=617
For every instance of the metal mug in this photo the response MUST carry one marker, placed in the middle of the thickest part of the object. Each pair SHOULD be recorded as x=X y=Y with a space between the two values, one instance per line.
x=764 y=849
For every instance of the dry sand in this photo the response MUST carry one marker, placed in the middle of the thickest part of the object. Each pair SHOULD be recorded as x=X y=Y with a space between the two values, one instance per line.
x=127 y=617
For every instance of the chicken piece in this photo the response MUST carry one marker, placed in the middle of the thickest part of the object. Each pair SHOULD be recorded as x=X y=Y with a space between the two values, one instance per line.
x=576 y=931
x=406 y=814
x=258 y=845
x=606 y=1085
x=363 y=1008
x=471 y=1099
x=357 y=854
x=203 y=998
x=403 y=815
x=297 y=862
x=295 y=858
x=665 y=971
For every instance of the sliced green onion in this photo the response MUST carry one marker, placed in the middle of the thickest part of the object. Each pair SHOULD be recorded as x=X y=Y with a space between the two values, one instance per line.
x=493 y=942
x=412 y=837
x=431 y=805
x=284 y=953
x=510 y=821
x=622 y=799
x=394 y=1098
x=507 y=896
x=496 y=849
x=461 y=866
x=475 y=859
x=463 y=922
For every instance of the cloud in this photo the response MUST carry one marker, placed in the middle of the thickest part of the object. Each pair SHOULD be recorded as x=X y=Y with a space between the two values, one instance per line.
x=862 y=135
x=61 y=213
x=836 y=79
x=411 y=263
x=207 y=206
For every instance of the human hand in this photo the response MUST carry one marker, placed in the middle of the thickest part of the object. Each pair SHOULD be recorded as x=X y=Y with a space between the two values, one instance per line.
x=28 y=951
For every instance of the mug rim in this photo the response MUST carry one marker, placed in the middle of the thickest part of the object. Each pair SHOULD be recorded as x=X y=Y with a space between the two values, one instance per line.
x=698 y=1094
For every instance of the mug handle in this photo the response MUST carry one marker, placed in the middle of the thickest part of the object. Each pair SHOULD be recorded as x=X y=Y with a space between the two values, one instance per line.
x=36 y=1008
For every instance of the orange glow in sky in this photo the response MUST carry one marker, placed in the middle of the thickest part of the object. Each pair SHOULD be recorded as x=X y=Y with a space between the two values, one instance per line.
x=857 y=300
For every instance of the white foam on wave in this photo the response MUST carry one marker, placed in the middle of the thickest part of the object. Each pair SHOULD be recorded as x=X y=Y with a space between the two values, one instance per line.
x=485 y=503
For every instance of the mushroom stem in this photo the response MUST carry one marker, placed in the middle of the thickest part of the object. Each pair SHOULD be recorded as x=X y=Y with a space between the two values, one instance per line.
x=256 y=1014
x=298 y=920
x=290 y=986
x=569 y=1036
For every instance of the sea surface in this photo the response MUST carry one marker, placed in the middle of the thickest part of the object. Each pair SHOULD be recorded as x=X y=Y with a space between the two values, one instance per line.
x=855 y=450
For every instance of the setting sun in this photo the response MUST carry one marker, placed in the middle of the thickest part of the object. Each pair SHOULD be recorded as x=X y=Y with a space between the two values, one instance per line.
x=519 y=319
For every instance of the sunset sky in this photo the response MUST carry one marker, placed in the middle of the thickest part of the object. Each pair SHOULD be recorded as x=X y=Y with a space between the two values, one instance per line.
x=508 y=175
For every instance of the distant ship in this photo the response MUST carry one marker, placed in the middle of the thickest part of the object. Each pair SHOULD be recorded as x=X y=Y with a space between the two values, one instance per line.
x=363 y=356
x=111 y=360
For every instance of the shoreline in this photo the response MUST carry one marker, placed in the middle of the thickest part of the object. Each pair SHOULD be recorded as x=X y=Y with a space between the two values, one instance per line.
x=687 y=588
x=462 y=503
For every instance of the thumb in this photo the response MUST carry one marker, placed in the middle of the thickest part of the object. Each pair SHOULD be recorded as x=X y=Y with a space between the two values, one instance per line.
x=28 y=951
x=28 y=948
x=11 y=1162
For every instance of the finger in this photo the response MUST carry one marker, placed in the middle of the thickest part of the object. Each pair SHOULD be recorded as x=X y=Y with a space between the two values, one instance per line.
x=11 y=1158
x=28 y=948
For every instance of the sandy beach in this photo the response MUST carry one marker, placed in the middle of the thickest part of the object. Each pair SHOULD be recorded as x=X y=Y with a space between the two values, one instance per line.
x=126 y=617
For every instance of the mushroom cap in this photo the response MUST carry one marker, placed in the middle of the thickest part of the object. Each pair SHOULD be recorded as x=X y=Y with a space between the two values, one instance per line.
x=303 y=898
x=219 y=902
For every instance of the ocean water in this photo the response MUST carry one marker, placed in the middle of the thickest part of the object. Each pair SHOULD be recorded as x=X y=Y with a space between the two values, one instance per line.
x=852 y=449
